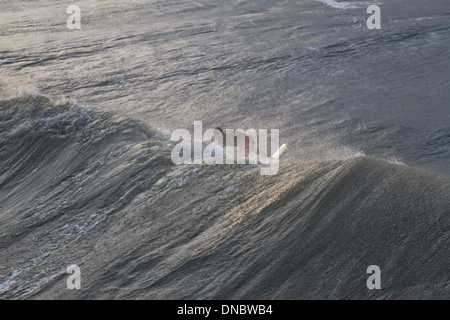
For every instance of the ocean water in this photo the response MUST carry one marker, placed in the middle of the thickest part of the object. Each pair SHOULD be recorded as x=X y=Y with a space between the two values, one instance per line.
x=87 y=178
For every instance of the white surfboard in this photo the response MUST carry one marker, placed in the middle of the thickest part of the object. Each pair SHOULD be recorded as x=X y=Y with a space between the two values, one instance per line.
x=280 y=151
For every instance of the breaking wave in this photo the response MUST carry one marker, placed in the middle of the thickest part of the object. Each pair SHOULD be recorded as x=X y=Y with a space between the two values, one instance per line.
x=87 y=187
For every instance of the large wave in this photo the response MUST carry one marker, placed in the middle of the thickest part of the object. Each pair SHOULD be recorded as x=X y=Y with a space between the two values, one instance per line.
x=87 y=187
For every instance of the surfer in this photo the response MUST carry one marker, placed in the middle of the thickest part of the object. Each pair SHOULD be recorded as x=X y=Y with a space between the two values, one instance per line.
x=249 y=143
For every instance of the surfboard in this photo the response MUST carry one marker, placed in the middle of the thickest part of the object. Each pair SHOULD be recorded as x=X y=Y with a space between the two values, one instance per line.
x=280 y=151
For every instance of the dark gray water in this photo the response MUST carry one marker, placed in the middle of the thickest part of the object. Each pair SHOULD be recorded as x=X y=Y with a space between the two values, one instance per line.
x=86 y=176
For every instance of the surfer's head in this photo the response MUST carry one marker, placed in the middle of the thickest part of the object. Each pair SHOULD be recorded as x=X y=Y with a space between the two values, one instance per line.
x=223 y=135
x=247 y=139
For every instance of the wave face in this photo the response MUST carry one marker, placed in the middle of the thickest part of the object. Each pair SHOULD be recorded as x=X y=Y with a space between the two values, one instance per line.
x=88 y=187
